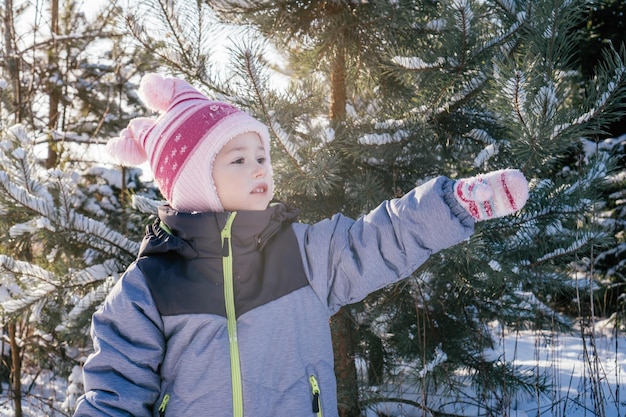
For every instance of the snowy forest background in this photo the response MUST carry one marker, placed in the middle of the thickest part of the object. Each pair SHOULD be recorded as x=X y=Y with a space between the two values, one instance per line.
x=364 y=100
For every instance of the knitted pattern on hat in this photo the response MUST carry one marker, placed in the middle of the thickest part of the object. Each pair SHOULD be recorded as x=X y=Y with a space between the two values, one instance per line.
x=492 y=195
x=182 y=143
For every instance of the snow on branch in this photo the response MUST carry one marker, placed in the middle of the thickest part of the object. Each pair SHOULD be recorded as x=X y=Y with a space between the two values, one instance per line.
x=545 y=103
x=499 y=39
x=23 y=284
x=488 y=151
x=527 y=301
x=99 y=235
x=465 y=16
x=29 y=227
x=289 y=146
x=85 y=304
x=146 y=205
x=398 y=133
x=418 y=64
x=482 y=136
x=383 y=138
x=574 y=248
x=16 y=156
x=95 y=273
x=25 y=198
x=597 y=172
x=436 y=25
x=440 y=357
x=67 y=219
x=514 y=89
x=468 y=89
x=613 y=88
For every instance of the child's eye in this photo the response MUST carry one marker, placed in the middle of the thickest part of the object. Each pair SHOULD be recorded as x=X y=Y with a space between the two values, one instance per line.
x=238 y=161
x=261 y=160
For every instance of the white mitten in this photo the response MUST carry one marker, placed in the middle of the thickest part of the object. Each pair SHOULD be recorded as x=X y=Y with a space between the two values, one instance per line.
x=492 y=195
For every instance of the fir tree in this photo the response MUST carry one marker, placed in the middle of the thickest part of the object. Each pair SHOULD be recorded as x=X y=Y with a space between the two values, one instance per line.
x=520 y=109
x=334 y=51
x=384 y=95
x=602 y=32
x=65 y=236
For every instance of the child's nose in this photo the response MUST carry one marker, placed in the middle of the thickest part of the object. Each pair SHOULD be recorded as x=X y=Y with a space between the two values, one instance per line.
x=259 y=170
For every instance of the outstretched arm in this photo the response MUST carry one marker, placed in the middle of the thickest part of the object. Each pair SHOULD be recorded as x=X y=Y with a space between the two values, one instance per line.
x=347 y=259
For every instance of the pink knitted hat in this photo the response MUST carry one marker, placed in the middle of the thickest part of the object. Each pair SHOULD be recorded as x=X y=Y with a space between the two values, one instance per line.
x=181 y=145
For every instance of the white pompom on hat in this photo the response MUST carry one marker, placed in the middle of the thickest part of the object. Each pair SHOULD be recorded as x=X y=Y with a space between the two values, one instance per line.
x=182 y=143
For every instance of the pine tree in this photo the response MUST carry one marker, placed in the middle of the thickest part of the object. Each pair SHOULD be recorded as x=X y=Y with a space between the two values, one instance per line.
x=602 y=32
x=65 y=236
x=58 y=262
x=513 y=270
x=332 y=49
x=609 y=263
x=383 y=96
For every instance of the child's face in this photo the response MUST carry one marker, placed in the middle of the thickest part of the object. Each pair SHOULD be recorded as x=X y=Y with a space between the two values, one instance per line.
x=242 y=175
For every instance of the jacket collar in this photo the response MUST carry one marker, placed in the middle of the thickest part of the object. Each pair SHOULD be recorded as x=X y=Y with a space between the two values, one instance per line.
x=194 y=235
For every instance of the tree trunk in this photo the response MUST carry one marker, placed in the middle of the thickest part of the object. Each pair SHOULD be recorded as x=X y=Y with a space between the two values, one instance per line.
x=375 y=359
x=16 y=369
x=338 y=96
x=341 y=325
x=342 y=329
x=54 y=91
x=12 y=61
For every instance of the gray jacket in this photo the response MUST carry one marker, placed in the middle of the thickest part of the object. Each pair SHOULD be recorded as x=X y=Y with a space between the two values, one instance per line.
x=227 y=314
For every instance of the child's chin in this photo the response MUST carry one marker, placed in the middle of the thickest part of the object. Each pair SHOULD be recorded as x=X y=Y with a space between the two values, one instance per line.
x=258 y=208
x=250 y=207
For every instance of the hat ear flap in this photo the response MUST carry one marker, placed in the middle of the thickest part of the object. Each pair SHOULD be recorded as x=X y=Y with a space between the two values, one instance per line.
x=127 y=148
x=157 y=92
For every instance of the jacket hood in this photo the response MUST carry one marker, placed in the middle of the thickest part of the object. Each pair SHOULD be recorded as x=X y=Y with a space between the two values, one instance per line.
x=193 y=235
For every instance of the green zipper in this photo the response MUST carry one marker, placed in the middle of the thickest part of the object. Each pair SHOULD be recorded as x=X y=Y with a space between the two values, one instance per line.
x=163 y=406
x=317 y=402
x=229 y=298
x=165 y=227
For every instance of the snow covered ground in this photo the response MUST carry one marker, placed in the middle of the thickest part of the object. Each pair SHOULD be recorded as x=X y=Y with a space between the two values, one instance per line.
x=586 y=374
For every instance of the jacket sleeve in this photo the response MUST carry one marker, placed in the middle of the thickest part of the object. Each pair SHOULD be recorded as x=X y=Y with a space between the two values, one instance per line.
x=121 y=376
x=347 y=259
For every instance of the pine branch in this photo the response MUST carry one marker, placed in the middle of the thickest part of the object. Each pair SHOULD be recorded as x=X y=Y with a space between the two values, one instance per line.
x=467 y=91
x=62 y=219
x=491 y=146
x=192 y=68
x=94 y=273
x=24 y=198
x=515 y=90
x=25 y=284
x=99 y=236
x=146 y=205
x=85 y=305
x=283 y=139
x=605 y=100
x=574 y=249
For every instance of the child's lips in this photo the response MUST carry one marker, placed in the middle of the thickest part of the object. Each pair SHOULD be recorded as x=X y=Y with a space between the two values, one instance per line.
x=260 y=189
